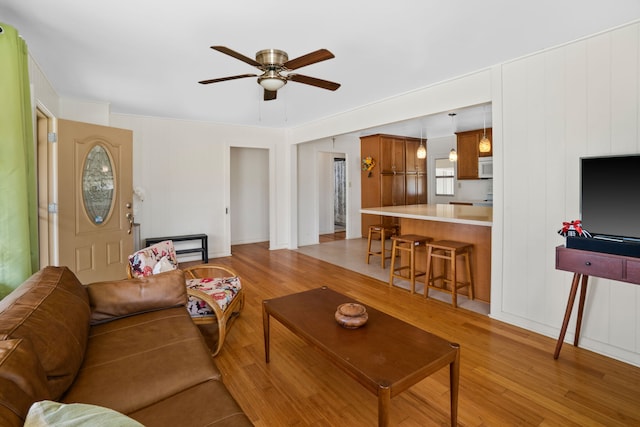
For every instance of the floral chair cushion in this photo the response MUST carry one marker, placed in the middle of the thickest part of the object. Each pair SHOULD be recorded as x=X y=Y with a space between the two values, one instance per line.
x=153 y=259
x=222 y=289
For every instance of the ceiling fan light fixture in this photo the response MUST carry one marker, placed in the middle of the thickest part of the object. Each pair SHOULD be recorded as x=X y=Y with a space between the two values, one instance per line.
x=272 y=62
x=271 y=80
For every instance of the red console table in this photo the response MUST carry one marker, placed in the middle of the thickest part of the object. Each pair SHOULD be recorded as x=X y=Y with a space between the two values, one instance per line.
x=584 y=264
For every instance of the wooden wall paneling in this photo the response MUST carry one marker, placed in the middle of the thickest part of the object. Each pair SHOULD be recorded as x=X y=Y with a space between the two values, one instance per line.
x=625 y=87
x=625 y=115
x=538 y=145
x=577 y=100
x=547 y=306
x=514 y=295
x=599 y=95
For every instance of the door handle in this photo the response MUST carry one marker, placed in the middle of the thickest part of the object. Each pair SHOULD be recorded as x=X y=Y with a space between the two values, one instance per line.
x=129 y=216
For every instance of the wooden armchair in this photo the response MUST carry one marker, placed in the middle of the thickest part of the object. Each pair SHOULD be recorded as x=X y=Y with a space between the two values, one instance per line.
x=215 y=292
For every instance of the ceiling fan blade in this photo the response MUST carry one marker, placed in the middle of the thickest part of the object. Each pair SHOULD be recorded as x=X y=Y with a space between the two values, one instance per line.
x=224 y=79
x=270 y=95
x=308 y=59
x=324 y=84
x=237 y=55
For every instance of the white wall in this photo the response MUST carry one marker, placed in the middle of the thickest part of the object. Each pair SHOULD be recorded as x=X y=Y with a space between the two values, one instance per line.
x=85 y=111
x=184 y=169
x=42 y=92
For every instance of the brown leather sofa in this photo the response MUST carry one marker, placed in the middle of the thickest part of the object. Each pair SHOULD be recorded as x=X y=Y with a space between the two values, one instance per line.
x=127 y=345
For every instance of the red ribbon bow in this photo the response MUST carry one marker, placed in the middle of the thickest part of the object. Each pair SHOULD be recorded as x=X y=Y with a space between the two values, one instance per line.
x=573 y=228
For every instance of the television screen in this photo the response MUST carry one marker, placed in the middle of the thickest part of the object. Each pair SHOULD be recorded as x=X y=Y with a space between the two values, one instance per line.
x=610 y=196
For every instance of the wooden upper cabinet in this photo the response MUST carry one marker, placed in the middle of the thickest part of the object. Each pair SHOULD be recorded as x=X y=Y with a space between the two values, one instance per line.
x=468 y=152
x=391 y=154
x=412 y=163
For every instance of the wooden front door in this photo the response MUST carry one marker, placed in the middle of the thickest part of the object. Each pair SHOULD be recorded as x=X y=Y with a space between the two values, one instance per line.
x=95 y=200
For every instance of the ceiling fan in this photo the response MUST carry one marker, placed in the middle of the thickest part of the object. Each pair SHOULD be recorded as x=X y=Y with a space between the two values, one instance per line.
x=276 y=69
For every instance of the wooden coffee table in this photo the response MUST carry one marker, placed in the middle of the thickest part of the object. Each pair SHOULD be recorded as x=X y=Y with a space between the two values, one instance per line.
x=386 y=355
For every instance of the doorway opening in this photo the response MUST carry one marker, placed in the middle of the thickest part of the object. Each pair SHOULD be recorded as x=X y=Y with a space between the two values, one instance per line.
x=339 y=194
x=332 y=195
x=249 y=196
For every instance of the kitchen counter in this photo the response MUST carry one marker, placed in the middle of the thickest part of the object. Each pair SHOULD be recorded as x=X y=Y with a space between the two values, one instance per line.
x=471 y=224
x=458 y=214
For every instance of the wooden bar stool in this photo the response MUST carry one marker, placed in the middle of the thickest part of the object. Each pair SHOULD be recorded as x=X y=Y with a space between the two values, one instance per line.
x=448 y=251
x=383 y=232
x=406 y=243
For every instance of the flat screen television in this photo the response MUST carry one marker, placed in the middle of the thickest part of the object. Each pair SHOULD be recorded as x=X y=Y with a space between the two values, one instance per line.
x=610 y=197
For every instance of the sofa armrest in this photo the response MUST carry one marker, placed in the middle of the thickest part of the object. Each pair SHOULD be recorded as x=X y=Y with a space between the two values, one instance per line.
x=120 y=298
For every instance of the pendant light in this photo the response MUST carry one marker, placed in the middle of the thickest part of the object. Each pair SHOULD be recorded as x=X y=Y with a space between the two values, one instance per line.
x=453 y=154
x=421 y=152
x=485 y=145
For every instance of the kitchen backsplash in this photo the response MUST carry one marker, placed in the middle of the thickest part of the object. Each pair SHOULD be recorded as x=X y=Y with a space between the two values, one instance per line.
x=474 y=190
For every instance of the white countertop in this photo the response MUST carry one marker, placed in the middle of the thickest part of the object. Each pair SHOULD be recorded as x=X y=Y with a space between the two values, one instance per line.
x=459 y=214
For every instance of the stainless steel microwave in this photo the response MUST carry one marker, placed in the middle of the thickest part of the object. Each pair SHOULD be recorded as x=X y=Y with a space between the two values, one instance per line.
x=485 y=167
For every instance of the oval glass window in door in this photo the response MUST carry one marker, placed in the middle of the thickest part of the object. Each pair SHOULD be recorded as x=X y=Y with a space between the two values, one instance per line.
x=98 y=184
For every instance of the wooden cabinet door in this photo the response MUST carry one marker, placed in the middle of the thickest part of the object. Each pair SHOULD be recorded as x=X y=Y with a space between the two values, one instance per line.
x=391 y=154
x=416 y=189
x=392 y=189
x=468 y=152
x=412 y=162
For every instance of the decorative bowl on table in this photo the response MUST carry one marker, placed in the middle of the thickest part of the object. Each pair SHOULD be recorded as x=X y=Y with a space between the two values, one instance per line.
x=351 y=315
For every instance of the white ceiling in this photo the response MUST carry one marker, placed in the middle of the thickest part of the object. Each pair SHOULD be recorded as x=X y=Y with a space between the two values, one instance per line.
x=145 y=57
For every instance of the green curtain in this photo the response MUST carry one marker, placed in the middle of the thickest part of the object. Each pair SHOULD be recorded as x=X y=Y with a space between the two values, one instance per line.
x=18 y=194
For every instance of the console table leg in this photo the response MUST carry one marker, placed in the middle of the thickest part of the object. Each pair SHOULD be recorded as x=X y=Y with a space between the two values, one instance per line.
x=454 y=381
x=567 y=313
x=583 y=295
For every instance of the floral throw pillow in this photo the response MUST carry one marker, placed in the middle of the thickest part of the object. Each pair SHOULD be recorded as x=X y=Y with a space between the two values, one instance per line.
x=143 y=263
x=222 y=289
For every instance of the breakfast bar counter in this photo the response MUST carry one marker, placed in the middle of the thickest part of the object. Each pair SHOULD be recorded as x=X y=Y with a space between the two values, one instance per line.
x=458 y=214
x=463 y=223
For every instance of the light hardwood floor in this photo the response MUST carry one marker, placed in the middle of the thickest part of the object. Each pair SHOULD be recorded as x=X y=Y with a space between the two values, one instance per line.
x=508 y=375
